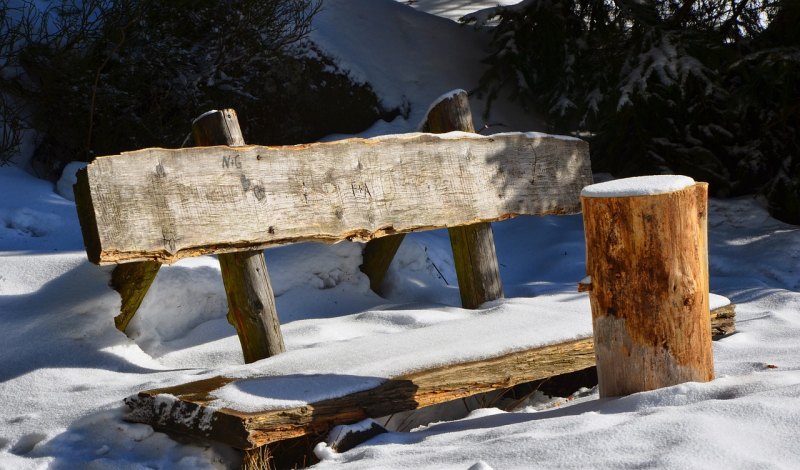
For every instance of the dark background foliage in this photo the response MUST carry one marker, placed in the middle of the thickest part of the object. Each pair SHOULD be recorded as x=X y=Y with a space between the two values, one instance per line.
x=706 y=88
x=104 y=76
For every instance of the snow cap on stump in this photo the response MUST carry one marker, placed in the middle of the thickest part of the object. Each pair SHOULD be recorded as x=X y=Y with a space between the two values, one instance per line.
x=638 y=186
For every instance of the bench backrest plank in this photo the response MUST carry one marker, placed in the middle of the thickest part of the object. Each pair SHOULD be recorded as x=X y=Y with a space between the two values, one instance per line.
x=159 y=204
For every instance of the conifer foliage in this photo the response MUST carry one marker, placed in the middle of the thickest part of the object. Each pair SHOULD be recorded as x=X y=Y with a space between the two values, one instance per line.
x=707 y=88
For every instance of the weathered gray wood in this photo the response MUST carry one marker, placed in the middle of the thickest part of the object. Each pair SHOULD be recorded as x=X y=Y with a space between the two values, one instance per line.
x=164 y=205
x=132 y=281
x=251 y=302
x=474 y=254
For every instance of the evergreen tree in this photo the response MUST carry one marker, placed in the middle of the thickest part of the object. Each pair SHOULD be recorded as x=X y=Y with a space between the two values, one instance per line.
x=706 y=88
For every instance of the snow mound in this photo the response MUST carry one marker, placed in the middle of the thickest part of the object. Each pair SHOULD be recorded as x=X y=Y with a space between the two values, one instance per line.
x=68 y=180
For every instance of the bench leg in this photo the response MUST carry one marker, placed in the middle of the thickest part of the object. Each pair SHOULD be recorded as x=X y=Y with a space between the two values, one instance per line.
x=132 y=281
x=476 y=264
x=378 y=255
x=251 y=304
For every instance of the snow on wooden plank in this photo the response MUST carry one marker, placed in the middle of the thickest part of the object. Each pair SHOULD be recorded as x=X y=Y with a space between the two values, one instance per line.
x=195 y=408
x=163 y=205
x=185 y=408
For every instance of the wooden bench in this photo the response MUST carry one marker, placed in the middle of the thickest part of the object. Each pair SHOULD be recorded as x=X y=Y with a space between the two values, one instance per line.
x=143 y=208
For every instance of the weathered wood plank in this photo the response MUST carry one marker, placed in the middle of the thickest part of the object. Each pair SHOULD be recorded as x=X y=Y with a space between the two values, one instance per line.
x=163 y=205
x=183 y=408
x=251 y=301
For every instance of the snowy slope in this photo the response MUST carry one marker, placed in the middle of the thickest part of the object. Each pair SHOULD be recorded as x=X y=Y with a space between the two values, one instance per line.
x=411 y=58
x=64 y=369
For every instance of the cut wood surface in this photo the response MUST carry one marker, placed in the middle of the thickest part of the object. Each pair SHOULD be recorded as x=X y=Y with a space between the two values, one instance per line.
x=163 y=205
x=184 y=408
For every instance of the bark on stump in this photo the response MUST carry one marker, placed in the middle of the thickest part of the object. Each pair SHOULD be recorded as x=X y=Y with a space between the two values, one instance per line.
x=251 y=302
x=647 y=258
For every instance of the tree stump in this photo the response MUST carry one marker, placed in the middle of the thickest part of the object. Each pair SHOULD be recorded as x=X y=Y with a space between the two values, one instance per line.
x=647 y=261
x=251 y=302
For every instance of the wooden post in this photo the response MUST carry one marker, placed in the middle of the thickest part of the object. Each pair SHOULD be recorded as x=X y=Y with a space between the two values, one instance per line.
x=132 y=281
x=378 y=255
x=474 y=254
x=647 y=260
x=473 y=245
x=251 y=302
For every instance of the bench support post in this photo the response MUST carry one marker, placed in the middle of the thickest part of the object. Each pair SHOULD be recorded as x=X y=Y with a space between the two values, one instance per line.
x=474 y=254
x=378 y=255
x=251 y=302
x=473 y=245
x=132 y=281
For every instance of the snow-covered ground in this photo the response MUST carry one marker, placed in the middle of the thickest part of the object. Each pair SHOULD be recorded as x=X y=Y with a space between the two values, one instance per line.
x=64 y=368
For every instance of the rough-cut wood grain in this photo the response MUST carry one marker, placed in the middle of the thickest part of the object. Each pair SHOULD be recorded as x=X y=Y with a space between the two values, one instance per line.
x=132 y=281
x=188 y=414
x=648 y=260
x=163 y=205
x=251 y=302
